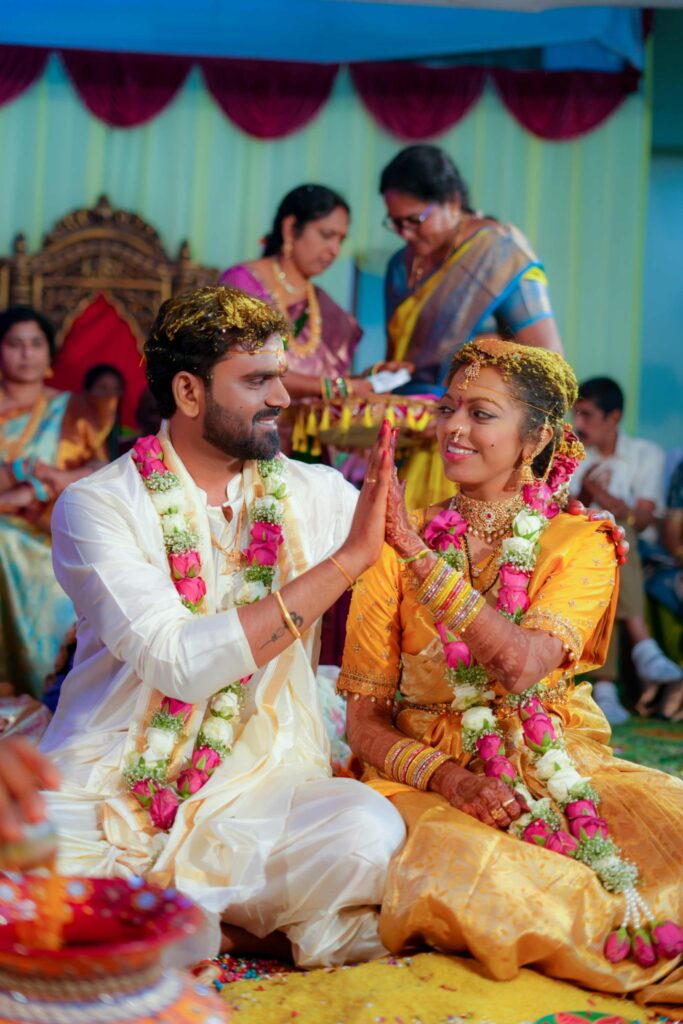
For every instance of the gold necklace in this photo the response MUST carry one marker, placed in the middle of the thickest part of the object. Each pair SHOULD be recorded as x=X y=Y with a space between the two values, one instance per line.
x=312 y=344
x=484 y=575
x=488 y=520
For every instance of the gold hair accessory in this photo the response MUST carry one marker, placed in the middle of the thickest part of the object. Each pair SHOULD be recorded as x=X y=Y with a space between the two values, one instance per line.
x=472 y=371
x=289 y=622
x=548 y=370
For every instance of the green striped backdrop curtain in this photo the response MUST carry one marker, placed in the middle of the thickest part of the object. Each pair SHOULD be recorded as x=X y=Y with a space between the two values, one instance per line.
x=194 y=175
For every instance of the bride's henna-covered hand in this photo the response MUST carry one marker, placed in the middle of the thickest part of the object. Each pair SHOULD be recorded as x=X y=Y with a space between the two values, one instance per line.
x=400 y=531
x=489 y=800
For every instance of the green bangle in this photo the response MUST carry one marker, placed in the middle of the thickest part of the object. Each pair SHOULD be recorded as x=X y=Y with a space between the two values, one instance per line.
x=414 y=558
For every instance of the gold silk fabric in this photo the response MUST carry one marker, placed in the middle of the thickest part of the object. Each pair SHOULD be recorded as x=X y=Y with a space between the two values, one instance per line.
x=464 y=887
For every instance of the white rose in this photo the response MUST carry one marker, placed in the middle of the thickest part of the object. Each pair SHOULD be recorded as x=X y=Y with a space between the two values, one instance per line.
x=275 y=485
x=248 y=592
x=466 y=696
x=518 y=547
x=152 y=759
x=551 y=762
x=171 y=499
x=218 y=730
x=226 y=703
x=173 y=522
x=478 y=718
x=518 y=826
x=160 y=742
x=527 y=524
x=561 y=783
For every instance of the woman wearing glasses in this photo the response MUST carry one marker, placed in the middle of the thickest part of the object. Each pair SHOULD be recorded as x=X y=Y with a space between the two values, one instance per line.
x=458 y=275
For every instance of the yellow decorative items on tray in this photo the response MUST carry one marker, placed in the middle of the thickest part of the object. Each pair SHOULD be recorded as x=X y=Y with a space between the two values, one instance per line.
x=353 y=422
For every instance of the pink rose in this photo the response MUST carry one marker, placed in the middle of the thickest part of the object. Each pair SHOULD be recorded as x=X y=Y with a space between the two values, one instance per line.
x=668 y=939
x=205 y=759
x=561 y=471
x=261 y=554
x=513 y=589
x=176 y=707
x=192 y=779
x=267 y=533
x=192 y=590
x=536 y=496
x=536 y=832
x=445 y=530
x=618 y=946
x=456 y=651
x=489 y=746
x=500 y=768
x=144 y=790
x=588 y=827
x=562 y=842
x=538 y=732
x=147 y=447
x=643 y=950
x=164 y=808
x=509 y=601
x=581 y=809
x=187 y=565
x=530 y=707
x=150 y=466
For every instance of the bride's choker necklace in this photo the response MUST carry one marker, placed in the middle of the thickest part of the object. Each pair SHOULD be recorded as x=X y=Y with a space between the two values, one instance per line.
x=488 y=520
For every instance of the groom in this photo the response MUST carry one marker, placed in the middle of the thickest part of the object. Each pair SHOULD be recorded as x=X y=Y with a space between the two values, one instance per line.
x=188 y=735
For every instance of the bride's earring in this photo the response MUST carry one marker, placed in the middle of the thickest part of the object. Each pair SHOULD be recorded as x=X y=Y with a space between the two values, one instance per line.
x=527 y=474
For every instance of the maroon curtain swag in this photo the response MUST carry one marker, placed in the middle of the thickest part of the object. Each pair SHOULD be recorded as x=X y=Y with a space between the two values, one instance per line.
x=125 y=89
x=268 y=99
x=20 y=67
x=417 y=102
x=563 y=105
x=271 y=99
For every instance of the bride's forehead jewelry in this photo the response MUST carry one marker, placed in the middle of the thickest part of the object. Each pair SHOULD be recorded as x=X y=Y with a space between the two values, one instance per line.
x=472 y=371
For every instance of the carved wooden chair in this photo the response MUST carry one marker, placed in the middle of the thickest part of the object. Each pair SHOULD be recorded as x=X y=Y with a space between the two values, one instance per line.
x=99 y=278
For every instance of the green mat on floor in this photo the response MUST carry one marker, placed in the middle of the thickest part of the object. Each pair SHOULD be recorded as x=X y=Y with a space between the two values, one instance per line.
x=652 y=742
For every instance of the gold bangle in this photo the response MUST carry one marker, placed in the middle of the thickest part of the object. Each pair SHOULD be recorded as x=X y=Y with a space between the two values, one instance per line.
x=343 y=571
x=289 y=622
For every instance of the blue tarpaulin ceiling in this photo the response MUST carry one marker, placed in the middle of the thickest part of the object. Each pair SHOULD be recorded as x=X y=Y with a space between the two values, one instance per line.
x=323 y=30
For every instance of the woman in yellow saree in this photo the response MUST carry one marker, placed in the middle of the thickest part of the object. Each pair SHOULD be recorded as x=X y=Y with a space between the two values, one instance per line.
x=459 y=274
x=47 y=439
x=529 y=843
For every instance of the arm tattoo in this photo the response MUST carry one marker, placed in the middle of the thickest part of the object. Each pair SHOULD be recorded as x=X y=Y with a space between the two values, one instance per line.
x=298 y=621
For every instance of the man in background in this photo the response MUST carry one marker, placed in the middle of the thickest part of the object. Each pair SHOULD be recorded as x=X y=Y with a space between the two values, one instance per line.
x=625 y=476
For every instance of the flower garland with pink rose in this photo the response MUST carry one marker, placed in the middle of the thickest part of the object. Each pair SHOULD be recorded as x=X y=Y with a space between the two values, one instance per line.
x=586 y=836
x=147 y=772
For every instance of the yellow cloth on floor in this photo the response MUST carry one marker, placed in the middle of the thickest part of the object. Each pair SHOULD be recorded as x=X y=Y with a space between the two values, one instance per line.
x=429 y=987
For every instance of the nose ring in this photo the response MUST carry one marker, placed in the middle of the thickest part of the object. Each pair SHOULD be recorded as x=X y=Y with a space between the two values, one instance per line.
x=455 y=436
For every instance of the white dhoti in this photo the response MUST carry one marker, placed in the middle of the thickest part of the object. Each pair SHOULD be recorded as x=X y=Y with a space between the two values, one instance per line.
x=324 y=880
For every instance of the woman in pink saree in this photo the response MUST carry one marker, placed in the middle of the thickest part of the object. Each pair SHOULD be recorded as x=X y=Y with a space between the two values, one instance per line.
x=309 y=228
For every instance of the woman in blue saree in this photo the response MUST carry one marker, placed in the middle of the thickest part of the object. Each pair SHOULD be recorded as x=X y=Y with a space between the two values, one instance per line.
x=47 y=439
x=459 y=275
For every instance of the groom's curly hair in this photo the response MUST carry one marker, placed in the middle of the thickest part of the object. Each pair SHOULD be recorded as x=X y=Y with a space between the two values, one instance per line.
x=193 y=331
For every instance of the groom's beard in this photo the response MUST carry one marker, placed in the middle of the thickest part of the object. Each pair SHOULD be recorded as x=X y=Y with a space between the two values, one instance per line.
x=233 y=437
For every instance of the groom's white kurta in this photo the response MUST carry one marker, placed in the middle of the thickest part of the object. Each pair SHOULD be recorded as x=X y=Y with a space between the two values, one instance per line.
x=271 y=842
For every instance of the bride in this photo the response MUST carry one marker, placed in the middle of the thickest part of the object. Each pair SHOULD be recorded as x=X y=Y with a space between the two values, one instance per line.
x=529 y=843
